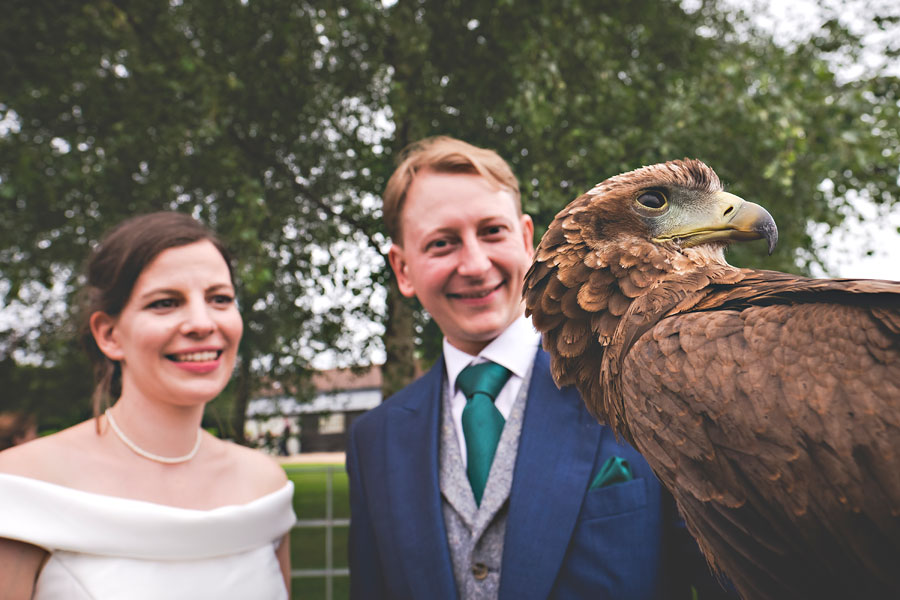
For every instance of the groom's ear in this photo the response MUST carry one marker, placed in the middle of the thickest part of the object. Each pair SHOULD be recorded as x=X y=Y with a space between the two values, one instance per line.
x=397 y=258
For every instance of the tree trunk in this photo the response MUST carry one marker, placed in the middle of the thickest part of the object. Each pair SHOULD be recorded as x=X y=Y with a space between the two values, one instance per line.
x=399 y=343
x=241 y=399
x=413 y=112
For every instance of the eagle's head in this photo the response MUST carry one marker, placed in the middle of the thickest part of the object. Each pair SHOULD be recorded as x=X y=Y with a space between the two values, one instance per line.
x=679 y=204
x=666 y=223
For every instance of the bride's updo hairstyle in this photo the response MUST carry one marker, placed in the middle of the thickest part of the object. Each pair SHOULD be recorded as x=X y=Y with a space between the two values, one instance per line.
x=111 y=272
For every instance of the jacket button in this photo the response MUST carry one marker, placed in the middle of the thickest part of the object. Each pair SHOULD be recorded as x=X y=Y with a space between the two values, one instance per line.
x=480 y=571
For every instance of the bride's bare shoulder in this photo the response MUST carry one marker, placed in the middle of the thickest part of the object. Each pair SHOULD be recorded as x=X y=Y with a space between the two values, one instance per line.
x=256 y=468
x=50 y=458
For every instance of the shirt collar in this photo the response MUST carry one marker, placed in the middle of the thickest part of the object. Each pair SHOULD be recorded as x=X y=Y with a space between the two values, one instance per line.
x=514 y=349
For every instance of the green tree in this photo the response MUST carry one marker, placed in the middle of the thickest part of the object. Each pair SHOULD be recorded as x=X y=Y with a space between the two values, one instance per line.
x=255 y=117
x=277 y=122
x=572 y=95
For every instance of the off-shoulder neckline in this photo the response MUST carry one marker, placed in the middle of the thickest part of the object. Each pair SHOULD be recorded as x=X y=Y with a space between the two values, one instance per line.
x=59 y=518
x=63 y=489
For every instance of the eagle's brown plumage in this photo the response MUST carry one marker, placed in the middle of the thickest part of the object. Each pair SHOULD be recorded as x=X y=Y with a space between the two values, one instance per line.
x=767 y=403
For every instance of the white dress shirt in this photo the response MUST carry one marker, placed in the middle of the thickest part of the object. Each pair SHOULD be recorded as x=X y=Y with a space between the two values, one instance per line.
x=514 y=349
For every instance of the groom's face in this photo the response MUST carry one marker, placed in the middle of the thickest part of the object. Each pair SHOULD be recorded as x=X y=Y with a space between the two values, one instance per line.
x=464 y=253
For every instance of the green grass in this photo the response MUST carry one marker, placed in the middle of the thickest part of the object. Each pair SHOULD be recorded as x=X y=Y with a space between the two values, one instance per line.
x=308 y=544
x=308 y=548
x=309 y=589
x=309 y=492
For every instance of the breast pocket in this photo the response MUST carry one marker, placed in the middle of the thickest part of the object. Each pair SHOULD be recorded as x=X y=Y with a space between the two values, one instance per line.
x=614 y=500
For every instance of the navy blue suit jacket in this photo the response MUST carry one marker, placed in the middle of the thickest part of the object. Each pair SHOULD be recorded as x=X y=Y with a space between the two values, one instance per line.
x=562 y=540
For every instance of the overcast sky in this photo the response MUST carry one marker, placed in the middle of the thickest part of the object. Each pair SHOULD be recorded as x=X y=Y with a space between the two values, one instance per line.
x=868 y=244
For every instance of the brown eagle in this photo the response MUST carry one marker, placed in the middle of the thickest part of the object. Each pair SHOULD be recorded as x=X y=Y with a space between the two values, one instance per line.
x=767 y=403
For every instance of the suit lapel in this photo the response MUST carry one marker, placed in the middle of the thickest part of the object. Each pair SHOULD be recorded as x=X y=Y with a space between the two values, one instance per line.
x=412 y=450
x=556 y=453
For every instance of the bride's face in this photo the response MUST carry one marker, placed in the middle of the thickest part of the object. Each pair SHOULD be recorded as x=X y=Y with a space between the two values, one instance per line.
x=176 y=339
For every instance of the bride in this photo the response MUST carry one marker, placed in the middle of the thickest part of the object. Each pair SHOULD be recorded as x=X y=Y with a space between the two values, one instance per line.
x=140 y=502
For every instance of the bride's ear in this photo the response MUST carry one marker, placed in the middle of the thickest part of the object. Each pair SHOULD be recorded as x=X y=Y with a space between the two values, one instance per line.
x=103 y=328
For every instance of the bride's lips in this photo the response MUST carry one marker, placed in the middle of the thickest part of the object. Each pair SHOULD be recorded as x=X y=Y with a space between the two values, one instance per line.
x=197 y=361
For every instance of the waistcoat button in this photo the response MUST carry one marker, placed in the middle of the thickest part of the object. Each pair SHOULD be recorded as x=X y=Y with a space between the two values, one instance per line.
x=480 y=571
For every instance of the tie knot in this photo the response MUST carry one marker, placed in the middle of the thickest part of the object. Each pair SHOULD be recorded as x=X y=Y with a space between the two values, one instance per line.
x=486 y=378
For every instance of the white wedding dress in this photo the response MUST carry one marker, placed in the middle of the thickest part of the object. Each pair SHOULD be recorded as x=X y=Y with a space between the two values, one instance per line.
x=105 y=548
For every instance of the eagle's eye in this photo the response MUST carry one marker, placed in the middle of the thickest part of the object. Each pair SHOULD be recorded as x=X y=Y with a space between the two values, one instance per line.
x=653 y=199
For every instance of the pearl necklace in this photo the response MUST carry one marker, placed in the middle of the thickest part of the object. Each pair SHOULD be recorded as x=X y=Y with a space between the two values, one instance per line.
x=149 y=455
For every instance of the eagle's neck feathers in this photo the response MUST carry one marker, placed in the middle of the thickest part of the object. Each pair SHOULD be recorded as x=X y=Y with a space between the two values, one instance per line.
x=593 y=301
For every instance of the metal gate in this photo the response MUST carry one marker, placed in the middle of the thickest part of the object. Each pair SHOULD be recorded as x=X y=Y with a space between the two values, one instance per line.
x=328 y=523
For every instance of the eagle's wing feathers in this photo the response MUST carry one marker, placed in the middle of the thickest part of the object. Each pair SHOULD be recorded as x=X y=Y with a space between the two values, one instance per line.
x=740 y=451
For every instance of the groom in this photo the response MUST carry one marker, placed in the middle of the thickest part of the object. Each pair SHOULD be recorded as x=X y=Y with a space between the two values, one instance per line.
x=482 y=479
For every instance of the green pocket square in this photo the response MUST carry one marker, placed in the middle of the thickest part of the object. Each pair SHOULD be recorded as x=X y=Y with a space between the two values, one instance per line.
x=614 y=470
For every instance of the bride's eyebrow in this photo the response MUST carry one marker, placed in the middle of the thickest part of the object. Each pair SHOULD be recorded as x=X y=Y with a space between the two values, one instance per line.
x=159 y=292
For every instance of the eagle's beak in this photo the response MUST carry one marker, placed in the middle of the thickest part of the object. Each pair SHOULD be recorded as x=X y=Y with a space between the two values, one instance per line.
x=748 y=221
x=730 y=219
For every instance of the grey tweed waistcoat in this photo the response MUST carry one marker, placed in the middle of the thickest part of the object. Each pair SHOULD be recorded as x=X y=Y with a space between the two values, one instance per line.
x=475 y=533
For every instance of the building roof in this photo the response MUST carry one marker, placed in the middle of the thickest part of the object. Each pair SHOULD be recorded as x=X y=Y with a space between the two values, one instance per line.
x=337 y=390
x=346 y=379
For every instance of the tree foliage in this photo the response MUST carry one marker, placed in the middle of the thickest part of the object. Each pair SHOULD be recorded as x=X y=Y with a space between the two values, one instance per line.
x=276 y=121
x=256 y=118
x=572 y=95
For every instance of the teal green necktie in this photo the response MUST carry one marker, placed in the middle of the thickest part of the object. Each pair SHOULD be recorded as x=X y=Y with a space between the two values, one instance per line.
x=482 y=422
